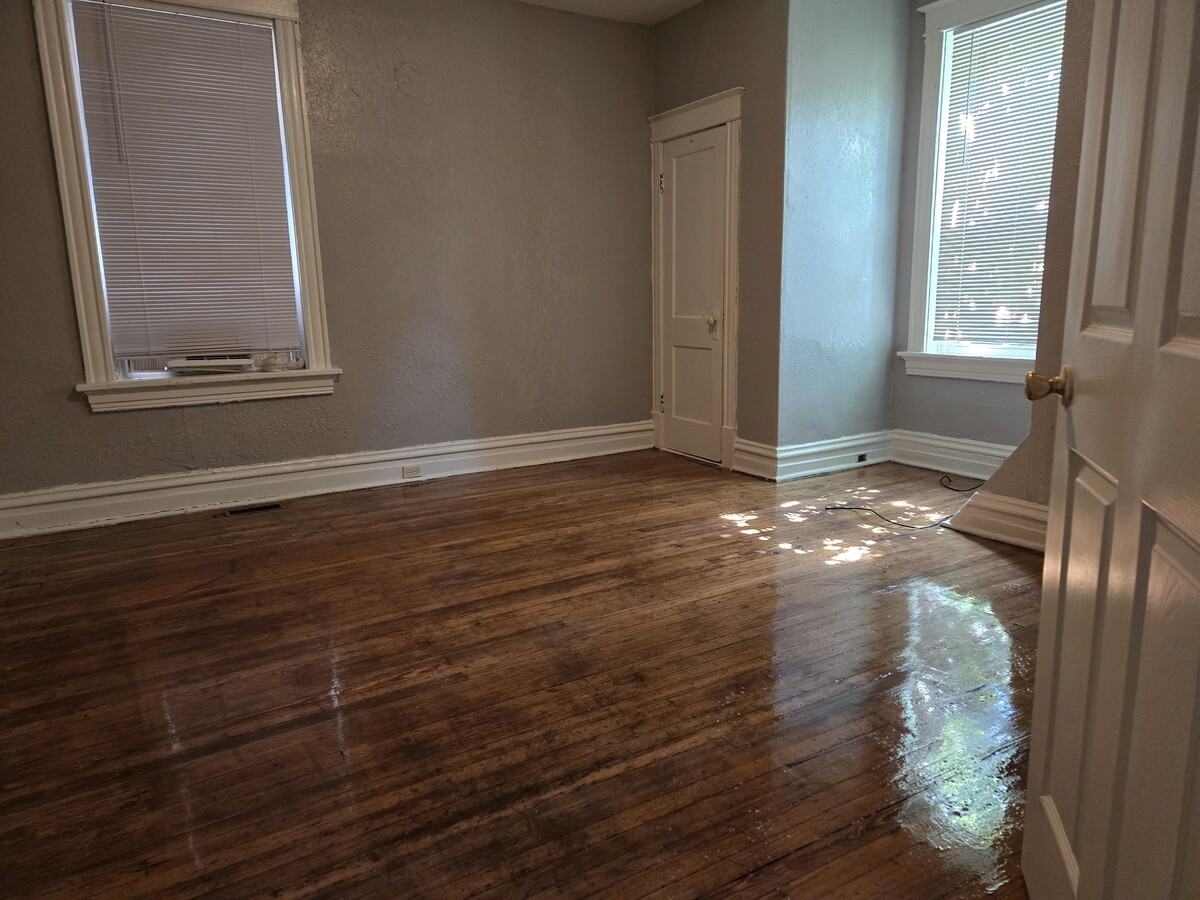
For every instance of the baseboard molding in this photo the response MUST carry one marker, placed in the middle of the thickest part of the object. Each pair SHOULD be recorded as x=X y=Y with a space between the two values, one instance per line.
x=816 y=458
x=753 y=458
x=86 y=505
x=956 y=456
x=836 y=455
x=1004 y=519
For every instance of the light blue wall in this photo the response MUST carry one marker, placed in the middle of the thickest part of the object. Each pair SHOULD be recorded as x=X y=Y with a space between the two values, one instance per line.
x=845 y=113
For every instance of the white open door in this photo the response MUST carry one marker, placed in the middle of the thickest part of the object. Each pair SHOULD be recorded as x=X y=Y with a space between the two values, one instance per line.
x=1113 y=806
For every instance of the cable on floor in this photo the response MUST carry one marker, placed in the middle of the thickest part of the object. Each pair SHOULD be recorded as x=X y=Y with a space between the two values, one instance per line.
x=940 y=522
x=945 y=481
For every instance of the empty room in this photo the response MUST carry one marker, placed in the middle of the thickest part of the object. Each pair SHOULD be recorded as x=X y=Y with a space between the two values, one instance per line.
x=616 y=448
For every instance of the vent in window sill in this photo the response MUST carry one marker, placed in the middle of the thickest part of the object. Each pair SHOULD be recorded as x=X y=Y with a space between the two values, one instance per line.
x=973 y=368
x=196 y=390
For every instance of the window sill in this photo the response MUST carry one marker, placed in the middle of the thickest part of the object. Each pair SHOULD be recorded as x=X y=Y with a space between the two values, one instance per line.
x=973 y=368
x=194 y=390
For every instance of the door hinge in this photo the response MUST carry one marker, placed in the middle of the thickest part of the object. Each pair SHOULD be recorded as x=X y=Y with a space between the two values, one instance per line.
x=662 y=403
x=660 y=182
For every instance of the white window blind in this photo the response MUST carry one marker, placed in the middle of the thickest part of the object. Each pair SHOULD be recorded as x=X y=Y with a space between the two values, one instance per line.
x=186 y=153
x=999 y=105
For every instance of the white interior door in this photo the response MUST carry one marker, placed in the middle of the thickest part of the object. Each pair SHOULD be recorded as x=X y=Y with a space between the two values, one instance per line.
x=692 y=291
x=1113 y=806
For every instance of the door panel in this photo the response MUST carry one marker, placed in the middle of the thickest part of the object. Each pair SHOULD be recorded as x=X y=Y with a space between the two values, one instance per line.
x=1089 y=543
x=1113 y=804
x=693 y=291
x=1162 y=783
x=694 y=225
x=691 y=372
x=1114 y=248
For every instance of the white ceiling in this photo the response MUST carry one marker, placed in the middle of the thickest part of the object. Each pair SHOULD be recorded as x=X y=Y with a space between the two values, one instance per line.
x=644 y=12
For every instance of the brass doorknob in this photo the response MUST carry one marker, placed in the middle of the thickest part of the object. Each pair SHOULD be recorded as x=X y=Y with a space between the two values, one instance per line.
x=1039 y=386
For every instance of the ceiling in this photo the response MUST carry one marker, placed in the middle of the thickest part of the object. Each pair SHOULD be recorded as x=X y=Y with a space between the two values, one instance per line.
x=644 y=12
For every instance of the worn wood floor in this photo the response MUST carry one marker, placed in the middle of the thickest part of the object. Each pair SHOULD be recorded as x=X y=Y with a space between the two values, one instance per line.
x=621 y=677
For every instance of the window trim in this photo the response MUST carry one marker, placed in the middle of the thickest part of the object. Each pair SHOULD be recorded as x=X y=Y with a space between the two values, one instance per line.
x=942 y=17
x=104 y=390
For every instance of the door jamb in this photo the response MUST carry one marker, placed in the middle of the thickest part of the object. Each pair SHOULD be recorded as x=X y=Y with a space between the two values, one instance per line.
x=724 y=108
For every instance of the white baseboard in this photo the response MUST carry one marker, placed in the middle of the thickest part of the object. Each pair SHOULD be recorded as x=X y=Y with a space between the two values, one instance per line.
x=753 y=458
x=956 y=456
x=836 y=455
x=83 y=506
x=816 y=458
x=87 y=505
x=1004 y=519
x=728 y=446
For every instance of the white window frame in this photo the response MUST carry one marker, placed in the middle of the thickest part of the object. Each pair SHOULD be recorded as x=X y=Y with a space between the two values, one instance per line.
x=104 y=389
x=941 y=18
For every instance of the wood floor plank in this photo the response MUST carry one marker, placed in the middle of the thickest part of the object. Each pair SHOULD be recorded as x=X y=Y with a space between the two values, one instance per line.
x=626 y=676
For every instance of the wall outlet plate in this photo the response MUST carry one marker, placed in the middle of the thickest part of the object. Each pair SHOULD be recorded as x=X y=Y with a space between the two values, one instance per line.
x=862 y=457
x=410 y=471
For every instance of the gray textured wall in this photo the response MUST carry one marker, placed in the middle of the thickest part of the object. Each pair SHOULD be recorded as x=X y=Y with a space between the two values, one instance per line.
x=712 y=47
x=1026 y=474
x=978 y=410
x=845 y=113
x=480 y=173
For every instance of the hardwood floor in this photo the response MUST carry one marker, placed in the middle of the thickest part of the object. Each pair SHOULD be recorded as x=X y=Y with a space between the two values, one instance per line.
x=623 y=677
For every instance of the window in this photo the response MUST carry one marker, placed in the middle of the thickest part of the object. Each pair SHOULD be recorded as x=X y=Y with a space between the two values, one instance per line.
x=987 y=148
x=184 y=174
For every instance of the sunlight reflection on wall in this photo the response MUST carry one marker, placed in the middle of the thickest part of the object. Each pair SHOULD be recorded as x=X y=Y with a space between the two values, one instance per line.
x=958 y=758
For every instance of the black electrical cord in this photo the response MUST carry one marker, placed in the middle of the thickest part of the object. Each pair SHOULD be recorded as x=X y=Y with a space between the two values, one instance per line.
x=945 y=480
x=939 y=522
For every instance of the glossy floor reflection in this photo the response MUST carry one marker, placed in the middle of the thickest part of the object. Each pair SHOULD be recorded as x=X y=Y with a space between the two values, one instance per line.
x=621 y=677
x=963 y=736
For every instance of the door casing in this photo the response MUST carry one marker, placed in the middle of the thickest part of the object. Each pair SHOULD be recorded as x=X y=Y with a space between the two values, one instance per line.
x=724 y=108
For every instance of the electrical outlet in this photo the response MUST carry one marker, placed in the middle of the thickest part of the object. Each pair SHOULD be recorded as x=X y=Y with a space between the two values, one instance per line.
x=862 y=457
x=410 y=471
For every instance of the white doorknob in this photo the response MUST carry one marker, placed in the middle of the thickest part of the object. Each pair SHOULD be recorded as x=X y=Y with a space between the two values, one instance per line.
x=711 y=321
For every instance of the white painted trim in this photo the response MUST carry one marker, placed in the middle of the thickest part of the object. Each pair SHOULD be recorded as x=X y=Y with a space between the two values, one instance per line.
x=729 y=318
x=247 y=10
x=152 y=393
x=728 y=445
x=83 y=506
x=304 y=194
x=87 y=505
x=656 y=382
x=55 y=41
x=929 y=150
x=714 y=111
x=956 y=456
x=947 y=15
x=753 y=458
x=790 y=461
x=266 y=9
x=62 y=108
x=699 y=115
x=1004 y=519
x=836 y=455
x=974 y=368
